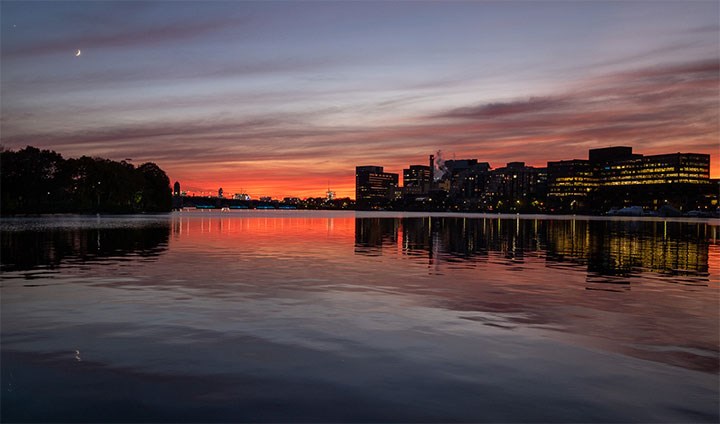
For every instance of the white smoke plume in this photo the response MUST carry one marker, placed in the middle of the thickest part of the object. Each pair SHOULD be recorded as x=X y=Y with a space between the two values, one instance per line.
x=439 y=165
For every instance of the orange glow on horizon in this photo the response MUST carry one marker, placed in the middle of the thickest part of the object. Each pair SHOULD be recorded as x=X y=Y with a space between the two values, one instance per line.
x=279 y=185
x=343 y=186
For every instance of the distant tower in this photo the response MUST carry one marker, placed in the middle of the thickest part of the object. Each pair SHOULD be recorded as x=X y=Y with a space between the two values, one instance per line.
x=432 y=168
x=220 y=193
x=176 y=188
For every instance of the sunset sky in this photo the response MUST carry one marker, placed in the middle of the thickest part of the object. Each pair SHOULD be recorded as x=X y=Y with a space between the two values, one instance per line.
x=284 y=98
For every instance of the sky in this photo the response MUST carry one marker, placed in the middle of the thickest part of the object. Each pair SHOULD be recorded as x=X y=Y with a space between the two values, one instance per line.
x=285 y=99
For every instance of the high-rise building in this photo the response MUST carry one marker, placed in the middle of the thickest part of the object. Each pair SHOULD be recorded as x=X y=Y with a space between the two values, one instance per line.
x=416 y=180
x=176 y=188
x=515 y=185
x=373 y=187
x=673 y=168
x=609 y=154
x=681 y=180
x=616 y=177
x=467 y=177
x=570 y=184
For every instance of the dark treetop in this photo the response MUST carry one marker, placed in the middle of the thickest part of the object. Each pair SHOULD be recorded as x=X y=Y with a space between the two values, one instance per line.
x=42 y=181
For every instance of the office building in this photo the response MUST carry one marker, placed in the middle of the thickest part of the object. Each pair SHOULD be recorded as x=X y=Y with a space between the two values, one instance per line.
x=610 y=154
x=468 y=177
x=617 y=177
x=516 y=186
x=570 y=184
x=673 y=168
x=416 y=180
x=373 y=187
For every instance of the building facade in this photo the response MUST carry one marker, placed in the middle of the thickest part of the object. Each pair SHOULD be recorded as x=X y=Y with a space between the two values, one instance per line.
x=570 y=184
x=613 y=177
x=416 y=180
x=673 y=168
x=617 y=177
x=516 y=187
x=468 y=178
x=374 y=187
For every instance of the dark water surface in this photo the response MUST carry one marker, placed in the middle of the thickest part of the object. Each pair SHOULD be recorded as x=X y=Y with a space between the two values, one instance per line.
x=317 y=316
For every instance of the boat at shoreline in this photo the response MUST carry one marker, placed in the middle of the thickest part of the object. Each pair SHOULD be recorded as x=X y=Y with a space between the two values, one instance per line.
x=628 y=211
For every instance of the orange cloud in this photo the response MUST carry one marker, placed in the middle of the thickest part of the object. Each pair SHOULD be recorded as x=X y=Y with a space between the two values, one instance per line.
x=659 y=109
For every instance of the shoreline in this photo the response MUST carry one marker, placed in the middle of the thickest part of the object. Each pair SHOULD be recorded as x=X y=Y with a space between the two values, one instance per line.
x=285 y=213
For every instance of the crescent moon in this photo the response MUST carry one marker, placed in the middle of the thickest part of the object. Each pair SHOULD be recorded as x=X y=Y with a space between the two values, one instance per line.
x=78 y=53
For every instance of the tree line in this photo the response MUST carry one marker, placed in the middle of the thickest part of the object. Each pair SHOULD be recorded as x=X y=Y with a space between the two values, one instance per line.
x=42 y=181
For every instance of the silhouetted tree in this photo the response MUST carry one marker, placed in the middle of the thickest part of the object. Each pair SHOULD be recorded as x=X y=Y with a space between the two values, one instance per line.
x=30 y=179
x=156 y=194
x=41 y=181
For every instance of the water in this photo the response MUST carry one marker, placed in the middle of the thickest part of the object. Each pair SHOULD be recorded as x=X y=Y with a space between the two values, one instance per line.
x=336 y=316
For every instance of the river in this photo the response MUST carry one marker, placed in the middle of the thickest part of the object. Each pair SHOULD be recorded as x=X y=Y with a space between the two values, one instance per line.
x=304 y=316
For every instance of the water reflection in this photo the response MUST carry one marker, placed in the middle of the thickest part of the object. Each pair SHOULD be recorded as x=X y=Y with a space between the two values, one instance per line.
x=52 y=247
x=606 y=248
x=572 y=276
x=329 y=317
x=371 y=234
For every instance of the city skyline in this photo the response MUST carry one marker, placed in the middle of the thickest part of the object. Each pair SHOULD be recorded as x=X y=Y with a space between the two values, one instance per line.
x=269 y=97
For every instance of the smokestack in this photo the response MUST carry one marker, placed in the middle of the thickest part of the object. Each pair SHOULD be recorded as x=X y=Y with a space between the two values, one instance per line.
x=432 y=168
